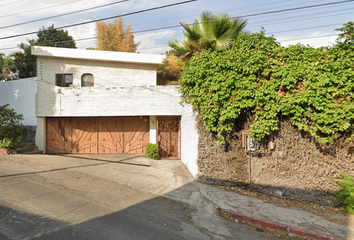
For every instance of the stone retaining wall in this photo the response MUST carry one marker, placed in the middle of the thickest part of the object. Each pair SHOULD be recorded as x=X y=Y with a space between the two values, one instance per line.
x=296 y=168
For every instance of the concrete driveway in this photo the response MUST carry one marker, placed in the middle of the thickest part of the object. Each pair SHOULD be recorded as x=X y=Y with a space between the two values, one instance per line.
x=159 y=177
x=107 y=197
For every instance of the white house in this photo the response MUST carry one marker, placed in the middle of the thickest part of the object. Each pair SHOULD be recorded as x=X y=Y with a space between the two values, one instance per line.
x=109 y=102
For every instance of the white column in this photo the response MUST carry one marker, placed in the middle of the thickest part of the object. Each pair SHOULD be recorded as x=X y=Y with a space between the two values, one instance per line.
x=152 y=129
x=41 y=134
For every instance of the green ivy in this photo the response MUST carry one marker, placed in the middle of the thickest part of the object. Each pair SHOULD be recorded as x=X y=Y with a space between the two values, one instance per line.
x=345 y=196
x=311 y=87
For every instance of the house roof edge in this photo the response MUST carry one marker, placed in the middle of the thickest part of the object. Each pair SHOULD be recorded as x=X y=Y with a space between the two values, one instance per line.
x=97 y=55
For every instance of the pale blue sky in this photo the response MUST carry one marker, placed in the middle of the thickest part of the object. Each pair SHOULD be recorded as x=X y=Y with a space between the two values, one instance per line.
x=286 y=26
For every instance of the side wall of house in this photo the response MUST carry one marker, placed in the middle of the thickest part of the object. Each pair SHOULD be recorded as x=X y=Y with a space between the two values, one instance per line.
x=20 y=95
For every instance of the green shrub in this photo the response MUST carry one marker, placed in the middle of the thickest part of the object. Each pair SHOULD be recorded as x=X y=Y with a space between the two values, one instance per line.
x=152 y=151
x=10 y=127
x=346 y=194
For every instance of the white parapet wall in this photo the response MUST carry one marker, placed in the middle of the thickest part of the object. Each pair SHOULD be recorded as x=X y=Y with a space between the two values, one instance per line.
x=20 y=95
x=153 y=100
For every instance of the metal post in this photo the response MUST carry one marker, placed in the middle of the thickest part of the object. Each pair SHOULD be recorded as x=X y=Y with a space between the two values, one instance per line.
x=250 y=171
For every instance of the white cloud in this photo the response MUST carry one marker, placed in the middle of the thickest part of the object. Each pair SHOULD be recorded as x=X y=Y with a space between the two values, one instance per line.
x=144 y=4
x=155 y=42
x=81 y=32
x=315 y=39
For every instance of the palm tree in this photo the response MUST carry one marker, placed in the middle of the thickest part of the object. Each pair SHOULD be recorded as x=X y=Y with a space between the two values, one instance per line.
x=213 y=31
x=23 y=61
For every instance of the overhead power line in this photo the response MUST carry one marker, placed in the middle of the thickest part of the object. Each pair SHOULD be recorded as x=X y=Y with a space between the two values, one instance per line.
x=103 y=19
x=248 y=15
x=38 y=9
x=302 y=17
x=294 y=9
x=11 y=3
x=271 y=12
x=313 y=37
x=64 y=14
x=306 y=28
x=261 y=23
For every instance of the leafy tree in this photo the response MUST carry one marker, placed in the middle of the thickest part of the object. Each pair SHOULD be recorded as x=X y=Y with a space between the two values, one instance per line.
x=2 y=66
x=24 y=63
x=115 y=37
x=52 y=37
x=10 y=127
x=5 y=64
x=212 y=32
x=347 y=32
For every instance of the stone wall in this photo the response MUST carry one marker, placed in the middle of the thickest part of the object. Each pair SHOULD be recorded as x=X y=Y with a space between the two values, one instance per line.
x=29 y=134
x=296 y=168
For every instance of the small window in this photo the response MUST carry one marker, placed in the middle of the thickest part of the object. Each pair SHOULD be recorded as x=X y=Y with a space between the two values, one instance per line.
x=165 y=79
x=64 y=80
x=87 y=80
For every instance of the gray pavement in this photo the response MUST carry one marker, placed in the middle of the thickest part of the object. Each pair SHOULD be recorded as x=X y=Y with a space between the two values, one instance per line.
x=166 y=178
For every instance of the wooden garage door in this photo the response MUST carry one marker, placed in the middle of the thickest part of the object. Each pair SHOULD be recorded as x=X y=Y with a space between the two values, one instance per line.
x=97 y=135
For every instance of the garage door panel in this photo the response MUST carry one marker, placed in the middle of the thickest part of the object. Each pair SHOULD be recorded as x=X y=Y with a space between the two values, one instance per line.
x=97 y=135
x=136 y=134
x=58 y=135
x=110 y=135
x=84 y=135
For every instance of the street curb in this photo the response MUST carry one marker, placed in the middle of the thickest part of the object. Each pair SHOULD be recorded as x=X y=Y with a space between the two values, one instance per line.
x=277 y=226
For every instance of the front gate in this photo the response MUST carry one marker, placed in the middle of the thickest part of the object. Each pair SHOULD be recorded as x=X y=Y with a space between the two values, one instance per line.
x=168 y=136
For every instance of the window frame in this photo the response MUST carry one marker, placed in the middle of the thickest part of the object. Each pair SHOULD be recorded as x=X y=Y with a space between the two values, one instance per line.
x=91 y=84
x=63 y=81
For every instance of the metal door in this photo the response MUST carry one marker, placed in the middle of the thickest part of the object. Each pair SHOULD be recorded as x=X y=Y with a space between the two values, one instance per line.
x=168 y=134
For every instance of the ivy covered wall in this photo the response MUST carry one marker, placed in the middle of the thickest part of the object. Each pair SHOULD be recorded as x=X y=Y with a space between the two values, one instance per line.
x=313 y=88
x=297 y=101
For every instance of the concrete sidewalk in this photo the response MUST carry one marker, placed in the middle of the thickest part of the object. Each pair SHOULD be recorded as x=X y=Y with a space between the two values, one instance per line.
x=291 y=220
x=170 y=179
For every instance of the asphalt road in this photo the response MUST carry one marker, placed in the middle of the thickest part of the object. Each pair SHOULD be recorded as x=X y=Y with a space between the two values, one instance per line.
x=67 y=204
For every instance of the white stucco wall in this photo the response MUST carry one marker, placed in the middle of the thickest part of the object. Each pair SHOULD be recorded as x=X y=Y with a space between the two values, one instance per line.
x=20 y=94
x=111 y=101
x=106 y=73
x=189 y=140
